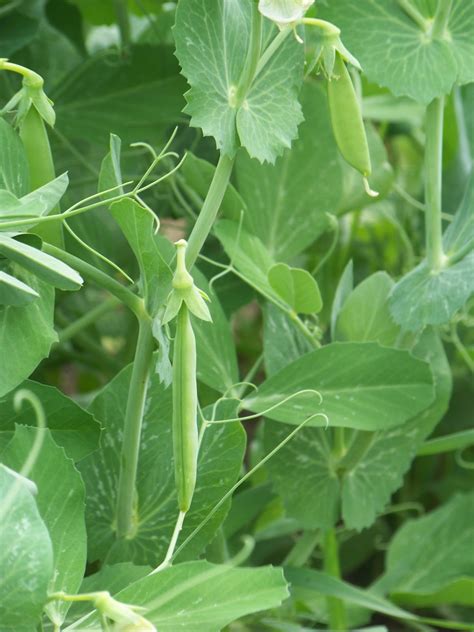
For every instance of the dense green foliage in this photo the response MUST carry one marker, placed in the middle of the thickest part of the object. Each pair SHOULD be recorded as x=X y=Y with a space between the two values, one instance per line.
x=269 y=426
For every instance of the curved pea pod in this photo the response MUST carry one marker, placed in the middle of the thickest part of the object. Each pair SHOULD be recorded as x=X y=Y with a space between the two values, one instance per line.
x=40 y=264
x=346 y=118
x=15 y=292
x=185 y=431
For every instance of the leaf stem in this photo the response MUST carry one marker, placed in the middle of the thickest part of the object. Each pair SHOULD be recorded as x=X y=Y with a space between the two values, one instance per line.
x=433 y=184
x=357 y=449
x=448 y=443
x=272 y=49
x=89 y=318
x=336 y=607
x=209 y=210
x=123 y=21
x=126 y=492
x=253 y=55
x=413 y=13
x=123 y=294
x=441 y=19
x=303 y=549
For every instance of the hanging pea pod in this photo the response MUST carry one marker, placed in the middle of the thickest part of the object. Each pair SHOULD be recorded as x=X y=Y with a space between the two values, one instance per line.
x=347 y=122
x=185 y=299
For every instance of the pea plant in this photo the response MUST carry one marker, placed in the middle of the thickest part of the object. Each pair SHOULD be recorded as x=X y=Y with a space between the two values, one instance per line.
x=236 y=279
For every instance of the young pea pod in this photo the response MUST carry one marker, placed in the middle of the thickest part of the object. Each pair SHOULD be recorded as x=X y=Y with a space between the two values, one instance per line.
x=185 y=299
x=347 y=123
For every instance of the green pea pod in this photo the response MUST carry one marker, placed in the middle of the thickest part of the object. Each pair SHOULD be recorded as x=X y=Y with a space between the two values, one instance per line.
x=346 y=119
x=185 y=432
x=41 y=167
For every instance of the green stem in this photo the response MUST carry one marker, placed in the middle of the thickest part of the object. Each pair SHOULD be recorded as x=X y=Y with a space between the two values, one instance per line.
x=88 y=319
x=413 y=13
x=272 y=49
x=448 y=443
x=126 y=493
x=336 y=607
x=441 y=18
x=123 y=21
x=303 y=549
x=433 y=184
x=339 y=445
x=357 y=449
x=123 y=294
x=253 y=55
x=209 y=210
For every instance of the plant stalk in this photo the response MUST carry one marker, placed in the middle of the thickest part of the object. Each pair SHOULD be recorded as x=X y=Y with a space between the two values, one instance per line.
x=253 y=55
x=433 y=184
x=336 y=607
x=441 y=19
x=126 y=493
x=88 y=319
x=123 y=21
x=209 y=210
x=125 y=296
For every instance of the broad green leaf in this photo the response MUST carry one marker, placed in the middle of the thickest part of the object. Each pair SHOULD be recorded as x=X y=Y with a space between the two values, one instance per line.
x=106 y=93
x=138 y=226
x=363 y=386
x=60 y=503
x=423 y=297
x=282 y=341
x=296 y=287
x=14 y=174
x=365 y=314
x=72 y=427
x=15 y=292
x=26 y=333
x=110 y=170
x=198 y=173
x=26 y=559
x=201 y=597
x=287 y=202
x=439 y=547
x=395 y=51
x=219 y=464
x=43 y=266
x=20 y=25
x=216 y=356
x=318 y=483
x=212 y=39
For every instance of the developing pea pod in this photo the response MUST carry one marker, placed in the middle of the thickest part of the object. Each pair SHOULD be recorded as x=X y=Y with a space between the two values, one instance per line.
x=347 y=123
x=185 y=299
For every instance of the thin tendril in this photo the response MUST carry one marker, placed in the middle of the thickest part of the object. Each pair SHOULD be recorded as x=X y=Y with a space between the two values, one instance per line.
x=97 y=253
x=245 y=477
x=268 y=410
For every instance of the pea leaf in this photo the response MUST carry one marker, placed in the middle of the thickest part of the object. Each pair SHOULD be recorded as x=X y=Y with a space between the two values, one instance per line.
x=365 y=314
x=72 y=427
x=438 y=545
x=27 y=554
x=201 y=597
x=460 y=233
x=363 y=386
x=26 y=333
x=423 y=297
x=61 y=505
x=44 y=266
x=287 y=202
x=104 y=97
x=14 y=174
x=398 y=54
x=219 y=464
x=213 y=60
x=15 y=292
x=319 y=483
x=343 y=290
x=296 y=287
x=138 y=226
x=282 y=341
